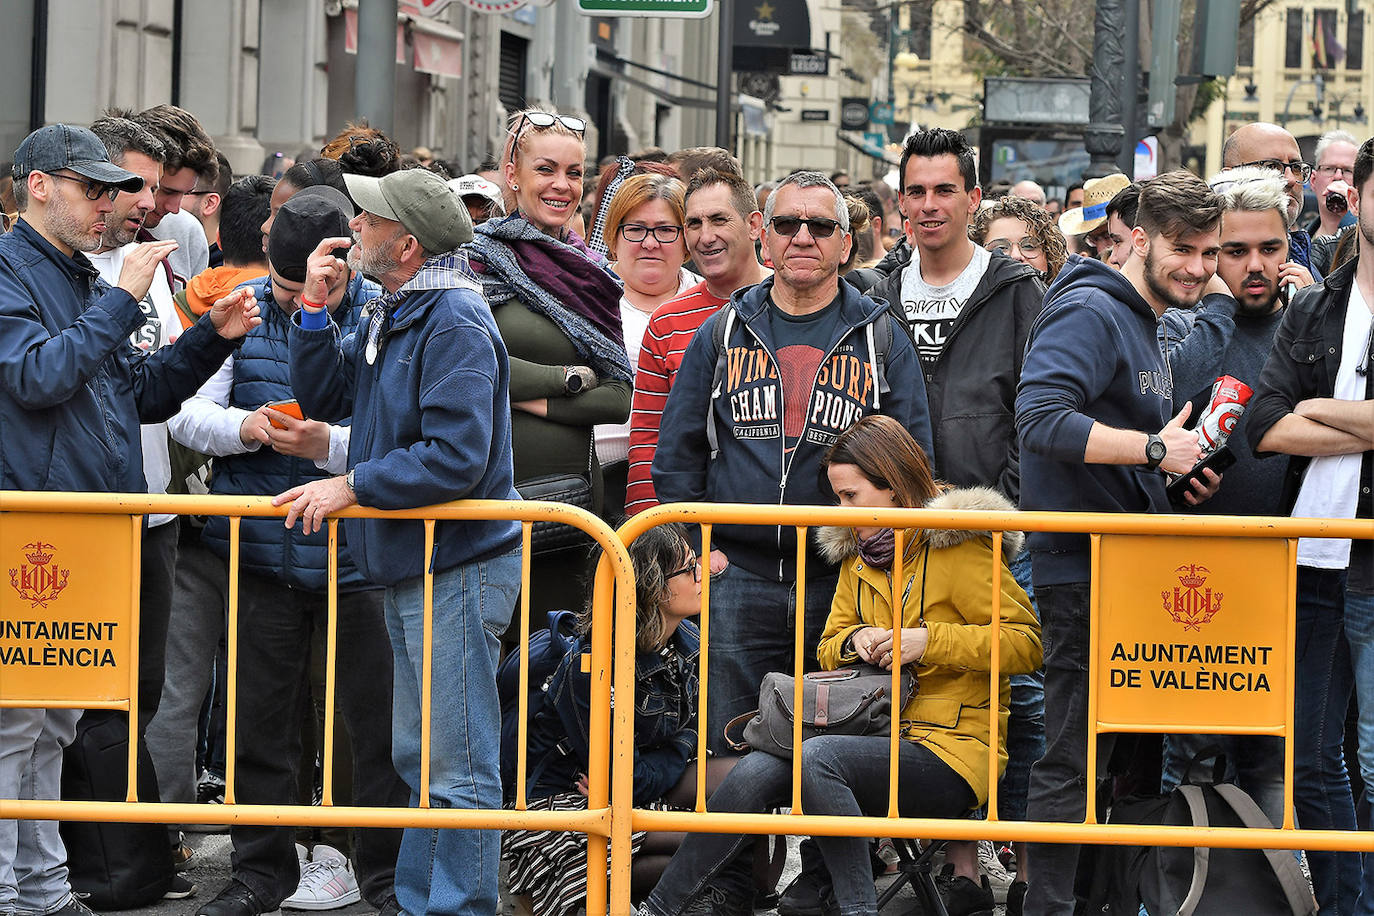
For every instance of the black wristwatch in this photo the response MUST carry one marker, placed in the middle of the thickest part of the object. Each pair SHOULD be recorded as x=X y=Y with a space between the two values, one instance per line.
x=1155 y=450
x=572 y=380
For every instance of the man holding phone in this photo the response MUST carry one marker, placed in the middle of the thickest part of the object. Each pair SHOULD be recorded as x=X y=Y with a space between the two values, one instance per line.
x=1231 y=333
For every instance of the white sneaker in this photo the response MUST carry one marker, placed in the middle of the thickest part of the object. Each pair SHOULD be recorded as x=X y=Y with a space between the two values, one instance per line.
x=327 y=882
x=998 y=876
x=302 y=856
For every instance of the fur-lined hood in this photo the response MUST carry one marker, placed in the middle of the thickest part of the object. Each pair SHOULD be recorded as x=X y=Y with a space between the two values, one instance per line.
x=838 y=544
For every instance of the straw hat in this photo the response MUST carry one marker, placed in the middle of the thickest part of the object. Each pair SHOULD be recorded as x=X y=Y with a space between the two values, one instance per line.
x=1097 y=193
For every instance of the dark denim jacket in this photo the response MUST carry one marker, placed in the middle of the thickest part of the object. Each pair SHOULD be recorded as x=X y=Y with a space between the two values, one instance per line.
x=665 y=720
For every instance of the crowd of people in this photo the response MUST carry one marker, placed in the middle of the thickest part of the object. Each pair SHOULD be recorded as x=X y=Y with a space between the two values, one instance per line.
x=664 y=332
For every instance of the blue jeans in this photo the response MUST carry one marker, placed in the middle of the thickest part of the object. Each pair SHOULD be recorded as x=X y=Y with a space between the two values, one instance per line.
x=1026 y=723
x=33 y=861
x=753 y=632
x=1323 y=684
x=1253 y=762
x=451 y=872
x=841 y=775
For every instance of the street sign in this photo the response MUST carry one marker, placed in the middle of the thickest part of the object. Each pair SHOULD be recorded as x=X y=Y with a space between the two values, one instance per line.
x=681 y=9
x=815 y=114
x=853 y=113
x=880 y=112
x=1035 y=101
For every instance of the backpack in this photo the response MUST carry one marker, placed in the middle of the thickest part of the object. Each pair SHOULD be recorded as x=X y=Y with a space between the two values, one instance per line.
x=546 y=649
x=879 y=335
x=1197 y=881
x=112 y=866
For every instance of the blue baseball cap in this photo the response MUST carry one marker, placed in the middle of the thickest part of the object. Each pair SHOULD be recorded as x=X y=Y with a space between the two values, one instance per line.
x=62 y=146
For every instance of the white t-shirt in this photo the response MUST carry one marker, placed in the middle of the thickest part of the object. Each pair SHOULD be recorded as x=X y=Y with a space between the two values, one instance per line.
x=932 y=310
x=160 y=327
x=1331 y=484
x=613 y=439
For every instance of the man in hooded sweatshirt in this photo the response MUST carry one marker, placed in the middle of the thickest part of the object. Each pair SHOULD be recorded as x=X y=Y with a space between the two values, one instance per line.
x=1093 y=411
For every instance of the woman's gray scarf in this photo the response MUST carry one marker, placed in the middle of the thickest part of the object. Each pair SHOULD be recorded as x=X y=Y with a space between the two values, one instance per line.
x=504 y=279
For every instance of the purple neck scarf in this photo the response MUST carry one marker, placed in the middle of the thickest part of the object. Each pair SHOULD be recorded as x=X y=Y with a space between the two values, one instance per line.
x=878 y=550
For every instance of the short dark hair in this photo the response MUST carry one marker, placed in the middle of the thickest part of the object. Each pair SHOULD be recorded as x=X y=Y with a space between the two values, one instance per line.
x=224 y=178
x=314 y=172
x=693 y=159
x=940 y=141
x=241 y=216
x=1125 y=205
x=1177 y=204
x=1076 y=186
x=741 y=194
x=1364 y=165
x=121 y=136
x=188 y=145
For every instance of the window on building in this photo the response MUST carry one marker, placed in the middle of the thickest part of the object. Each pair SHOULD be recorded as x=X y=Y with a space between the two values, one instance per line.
x=511 y=79
x=1354 y=40
x=1326 y=51
x=1292 y=40
x=1245 y=44
x=919 y=23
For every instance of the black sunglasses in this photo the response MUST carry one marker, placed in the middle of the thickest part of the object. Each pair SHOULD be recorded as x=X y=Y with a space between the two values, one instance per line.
x=94 y=189
x=819 y=227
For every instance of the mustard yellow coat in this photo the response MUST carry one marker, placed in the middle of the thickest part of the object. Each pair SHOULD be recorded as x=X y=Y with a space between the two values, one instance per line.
x=949 y=713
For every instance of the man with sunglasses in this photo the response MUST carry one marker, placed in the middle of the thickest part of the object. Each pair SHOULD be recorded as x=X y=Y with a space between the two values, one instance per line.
x=765 y=387
x=72 y=396
x=1271 y=147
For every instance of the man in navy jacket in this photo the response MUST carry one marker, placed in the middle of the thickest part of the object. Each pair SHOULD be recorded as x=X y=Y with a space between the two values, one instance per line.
x=1093 y=413
x=72 y=395
x=426 y=379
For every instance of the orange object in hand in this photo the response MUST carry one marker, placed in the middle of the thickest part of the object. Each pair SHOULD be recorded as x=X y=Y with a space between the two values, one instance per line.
x=291 y=408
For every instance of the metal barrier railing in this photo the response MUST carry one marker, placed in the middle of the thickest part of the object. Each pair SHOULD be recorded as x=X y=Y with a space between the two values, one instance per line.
x=1190 y=528
x=39 y=527
x=610 y=817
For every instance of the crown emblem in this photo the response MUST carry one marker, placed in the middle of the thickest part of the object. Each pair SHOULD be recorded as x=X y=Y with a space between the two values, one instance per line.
x=1190 y=602
x=40 y=580
x=38 y=553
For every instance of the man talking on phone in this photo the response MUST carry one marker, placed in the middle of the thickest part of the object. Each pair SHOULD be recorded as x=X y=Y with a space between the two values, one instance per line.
x=1231 y=333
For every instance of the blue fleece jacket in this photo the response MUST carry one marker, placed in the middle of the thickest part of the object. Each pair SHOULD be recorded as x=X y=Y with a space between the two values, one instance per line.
x=1095 y=354
x=431 y=419
x=754 y=417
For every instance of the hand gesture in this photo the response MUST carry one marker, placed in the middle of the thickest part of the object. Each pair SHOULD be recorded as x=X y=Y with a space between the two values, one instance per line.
x=286 y=435
x=141 y=265
x=1182 y=451
x=914 y=641
x=323 y=269
x=236 y=314
x=314 y=501
x=866 y=641
x=1295 y=273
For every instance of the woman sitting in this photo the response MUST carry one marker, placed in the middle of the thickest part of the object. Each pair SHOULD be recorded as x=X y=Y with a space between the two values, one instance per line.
x=551 y=866
x=946 y=636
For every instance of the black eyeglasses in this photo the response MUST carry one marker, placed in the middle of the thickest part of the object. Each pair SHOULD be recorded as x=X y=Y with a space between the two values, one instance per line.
x=694 y=568
x=1297 y=167
x=94 y=189
x=820 y=228
x=1335 y=170
x=664 y=235
x=198 y=193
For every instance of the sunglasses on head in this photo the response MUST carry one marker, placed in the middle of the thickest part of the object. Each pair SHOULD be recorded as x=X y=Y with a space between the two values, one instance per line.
x=542 y=120
x=819 y=227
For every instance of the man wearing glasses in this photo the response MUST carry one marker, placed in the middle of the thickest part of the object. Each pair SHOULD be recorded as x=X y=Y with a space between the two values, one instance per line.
x=1335 y=157
x=72 y=396
x=765 y=387
x=1270 y=146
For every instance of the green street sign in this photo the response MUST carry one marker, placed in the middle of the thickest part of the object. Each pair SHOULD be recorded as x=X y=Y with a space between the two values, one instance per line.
x=688 y=9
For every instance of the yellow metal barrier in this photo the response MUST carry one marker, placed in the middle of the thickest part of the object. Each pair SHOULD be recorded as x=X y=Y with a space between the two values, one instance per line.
x=1121 y=533
x=71 y=552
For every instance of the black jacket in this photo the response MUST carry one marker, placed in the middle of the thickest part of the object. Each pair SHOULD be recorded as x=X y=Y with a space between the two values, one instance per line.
x=972 y=389
x=1303 y=364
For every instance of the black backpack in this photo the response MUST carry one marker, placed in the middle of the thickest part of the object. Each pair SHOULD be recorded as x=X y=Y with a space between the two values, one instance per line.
x=112 y=866
x=1197 y=881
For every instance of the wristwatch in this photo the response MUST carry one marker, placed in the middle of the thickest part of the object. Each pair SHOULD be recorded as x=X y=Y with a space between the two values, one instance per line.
x=348 y=482
x=572 y=380
x=1155 y=450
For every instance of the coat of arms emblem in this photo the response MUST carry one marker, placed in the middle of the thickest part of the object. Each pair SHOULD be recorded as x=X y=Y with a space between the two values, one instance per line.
x=1190 y=602
x=39 y=580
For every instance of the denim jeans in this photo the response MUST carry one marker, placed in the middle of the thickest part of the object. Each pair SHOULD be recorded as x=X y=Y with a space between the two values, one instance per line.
x=1330 y=619
x=1359 y=634
x=33 y=861
x=1026 y=722
x=841 y=775
x=753 y=632
x=1253 y=762
x=275 y=625
x=1058 y=780
x=452 y=872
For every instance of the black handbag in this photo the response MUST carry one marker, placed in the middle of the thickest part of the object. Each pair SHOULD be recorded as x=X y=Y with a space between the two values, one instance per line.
x=574 y=489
